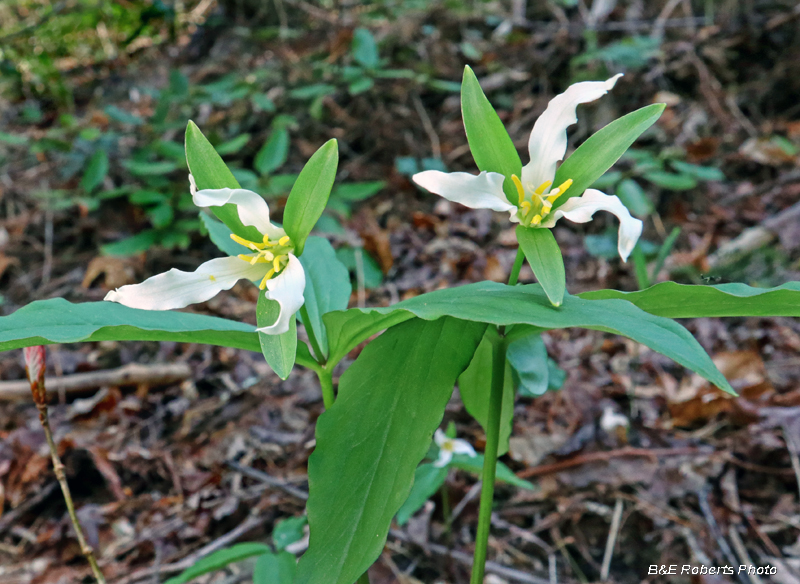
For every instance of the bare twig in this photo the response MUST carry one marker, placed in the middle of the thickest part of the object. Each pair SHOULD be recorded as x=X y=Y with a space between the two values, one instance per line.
x=269 y=480
x=34 y=365
x=436 y=147
x=132 y=374
x=612 y=540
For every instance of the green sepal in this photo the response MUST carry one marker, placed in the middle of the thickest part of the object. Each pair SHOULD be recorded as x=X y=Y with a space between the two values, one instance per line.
x=489 y=142
x=602 y=149
x=544 y=256
x=279 y=350
x=210 y=172
x=310 y=194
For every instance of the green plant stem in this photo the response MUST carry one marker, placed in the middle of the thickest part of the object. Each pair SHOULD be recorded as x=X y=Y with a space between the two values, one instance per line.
x=489 y=460
x=326 y=382
x=514 y=276
x=364 y=579
x=311 y=336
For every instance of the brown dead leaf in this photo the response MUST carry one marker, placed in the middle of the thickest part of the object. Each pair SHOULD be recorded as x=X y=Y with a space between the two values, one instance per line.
x=5 y=262
x=702 y=150
x=765 y=151
x=376 y=239
x=117 y=271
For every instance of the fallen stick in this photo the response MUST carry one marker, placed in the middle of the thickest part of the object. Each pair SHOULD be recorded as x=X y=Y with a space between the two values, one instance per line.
x=131 y=374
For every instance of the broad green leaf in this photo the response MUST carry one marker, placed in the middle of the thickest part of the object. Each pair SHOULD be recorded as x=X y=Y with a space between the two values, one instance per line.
x=274 y=152
x=233 y=145
x=528 y=359
x=697 y=171
x=96 y=171
x=288 y=531
x=278 y=350
x=357 y=191
x=474 y=464
x=122 y=116
x=327 y=286
x=367 y=450
x=219 y=559
x=365 y=49
x=634 y=198
x=503 y=305
x=210 y=172
x=277 y=568
x=683 y=301
x=310 y=194
x=427 y=480
x=220 y=235
x=141 y=168
x=475 y=384
x=602 y=149
x=489 y=142
x=129 y=246
x=544 y=256
x=670 y=180
x=45 y=322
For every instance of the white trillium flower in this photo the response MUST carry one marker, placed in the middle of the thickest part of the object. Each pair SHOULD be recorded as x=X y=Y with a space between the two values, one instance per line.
x=547 y=146
x=271 y=263
x=450 y=446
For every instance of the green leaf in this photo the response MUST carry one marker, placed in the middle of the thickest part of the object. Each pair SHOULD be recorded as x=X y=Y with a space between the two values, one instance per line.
x=122 y=116
x=427 y=480
x=697 y=171
x=220 y=235
x=278 y=350
x=45 y=322
x=367 y=450
x=670 y=180
x=210 y=172
x=673 y=300
x=634 y=198
x=544 y=256
x=365 y=49
x=327 y=286
x=13 y=139
x=288 y=531
x=602 y=149
x=96 y=171
x=277 y=568
x=310 y=194
x=474 y=464
x=357 y=191
x=475 y=384
x=528 y=359
x=219 y=559
x=142 y=168
x=503 y=305
x=489 y=142
x=129 y=246
x=274 y=152
x=233 y=145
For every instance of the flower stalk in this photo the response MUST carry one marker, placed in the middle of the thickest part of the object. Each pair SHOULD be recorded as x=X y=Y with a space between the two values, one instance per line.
x=35 y=368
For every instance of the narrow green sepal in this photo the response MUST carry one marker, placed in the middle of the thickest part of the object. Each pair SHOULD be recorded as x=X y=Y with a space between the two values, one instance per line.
x=489 y=142
x=310 y=194
x=279 y=350
x=544 y=256
x=210 y=172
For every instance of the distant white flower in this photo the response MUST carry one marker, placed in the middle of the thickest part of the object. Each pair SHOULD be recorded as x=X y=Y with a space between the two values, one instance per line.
x=450 y=446
x=612 y=420
x=271 y=262
x=547 y=146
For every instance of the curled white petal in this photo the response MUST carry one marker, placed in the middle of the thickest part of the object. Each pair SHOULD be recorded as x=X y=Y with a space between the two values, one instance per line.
x=177 y=289
x=581 y=209
x=192 y=185
x=440 y=438
x=287 y=290
x=548 y=141
x=462 y=447
x=484 y=191
x=253 y=209
x=445 y=456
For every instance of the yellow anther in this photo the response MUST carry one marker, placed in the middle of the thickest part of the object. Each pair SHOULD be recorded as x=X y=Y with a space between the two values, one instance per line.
x=536 y=220
x=212 y=278
x=265 y=240
x=543 y=187
x=247 y=243
x=518 y=184
x=555 y=193
x=284 y=240
x=244 y=257
x=263 y=283
x=525 y=205
x=276 y=263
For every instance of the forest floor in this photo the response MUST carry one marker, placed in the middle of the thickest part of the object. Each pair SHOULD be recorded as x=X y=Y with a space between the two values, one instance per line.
x=161 y=469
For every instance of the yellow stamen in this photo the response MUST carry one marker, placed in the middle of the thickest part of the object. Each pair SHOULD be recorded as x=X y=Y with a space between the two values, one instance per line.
x=525 y=205
x=276 y=263
x=284 y=240
x=536 y=220
x=249 y=244
x=518 y=184
x=263 y=283
x=555 y=193
x=543 y=187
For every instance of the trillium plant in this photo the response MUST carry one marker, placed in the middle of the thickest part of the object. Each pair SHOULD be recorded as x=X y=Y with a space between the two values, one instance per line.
x=379 y=452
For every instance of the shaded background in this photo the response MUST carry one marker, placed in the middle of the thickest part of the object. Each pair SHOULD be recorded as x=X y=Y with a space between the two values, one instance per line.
x=94 y=99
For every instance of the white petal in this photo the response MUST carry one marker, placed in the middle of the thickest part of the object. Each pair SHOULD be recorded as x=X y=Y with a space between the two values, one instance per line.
x=192 y=185
x=445 y=456
x=580 y=210
x=484 y=191
x=287 y=290
x=253 y=209
x=463 y=447
x=440 y=438
x=548 y=142
x=176 y=289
